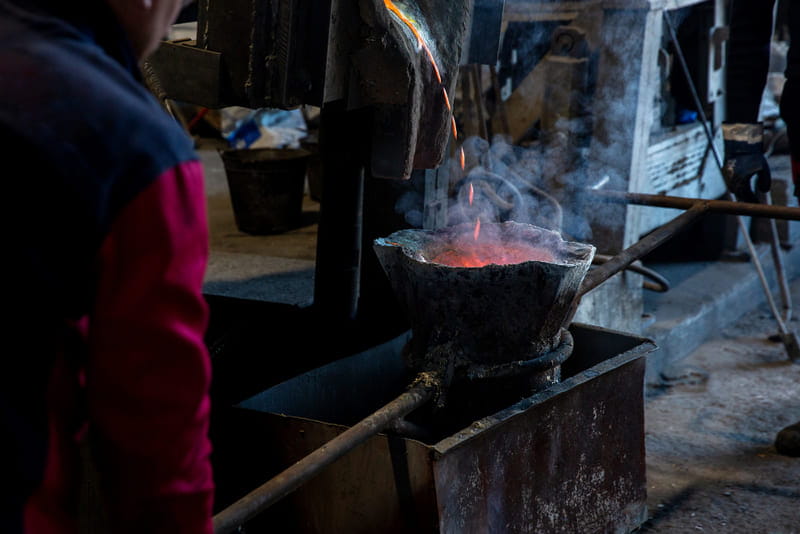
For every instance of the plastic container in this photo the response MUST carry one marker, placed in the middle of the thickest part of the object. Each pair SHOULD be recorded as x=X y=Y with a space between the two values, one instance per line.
x=266 y=187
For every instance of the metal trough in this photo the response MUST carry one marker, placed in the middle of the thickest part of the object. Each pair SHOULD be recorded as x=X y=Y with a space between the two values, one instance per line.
x=570 y=458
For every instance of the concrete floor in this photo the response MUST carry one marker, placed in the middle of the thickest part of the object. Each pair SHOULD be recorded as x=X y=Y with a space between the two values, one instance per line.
x=715 y=400
x=275 y=268
x=711 y=463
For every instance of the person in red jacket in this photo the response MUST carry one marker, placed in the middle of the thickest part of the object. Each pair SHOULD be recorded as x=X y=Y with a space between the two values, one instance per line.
x=105 y=225
x=751 y=30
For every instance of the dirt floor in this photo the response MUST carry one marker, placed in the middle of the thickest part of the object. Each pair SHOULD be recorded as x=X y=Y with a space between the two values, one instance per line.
x=711 y=462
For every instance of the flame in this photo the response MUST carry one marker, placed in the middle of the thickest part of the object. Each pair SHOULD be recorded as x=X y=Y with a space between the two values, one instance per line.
x=477 y=231
x=468 y=254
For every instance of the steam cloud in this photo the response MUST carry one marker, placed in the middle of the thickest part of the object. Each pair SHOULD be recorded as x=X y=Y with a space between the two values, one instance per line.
x=549 y=182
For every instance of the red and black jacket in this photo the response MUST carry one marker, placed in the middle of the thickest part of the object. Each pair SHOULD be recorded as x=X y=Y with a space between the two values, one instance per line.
x=106 y=240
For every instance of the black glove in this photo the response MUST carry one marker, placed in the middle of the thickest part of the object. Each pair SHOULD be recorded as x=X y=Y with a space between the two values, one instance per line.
x=744 y=157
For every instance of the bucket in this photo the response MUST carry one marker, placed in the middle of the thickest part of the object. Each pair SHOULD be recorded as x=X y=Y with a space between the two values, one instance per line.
x=266 y=187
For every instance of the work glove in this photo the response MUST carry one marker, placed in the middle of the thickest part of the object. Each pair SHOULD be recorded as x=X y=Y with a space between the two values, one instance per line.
x=744 y=158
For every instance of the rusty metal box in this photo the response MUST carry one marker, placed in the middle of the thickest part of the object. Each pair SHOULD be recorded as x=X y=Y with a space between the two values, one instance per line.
x=570 y=458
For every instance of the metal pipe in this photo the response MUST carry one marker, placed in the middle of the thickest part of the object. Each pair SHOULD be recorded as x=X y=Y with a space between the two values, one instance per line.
x=647 y=244
x=421 y=391
x=658 y=283
x=777 y=258
x=721 y=206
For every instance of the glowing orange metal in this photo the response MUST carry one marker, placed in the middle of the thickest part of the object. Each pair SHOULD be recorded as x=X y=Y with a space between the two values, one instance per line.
x=420 y=41
x=446 y=99
x=471 y=194
x=477 y=231
x=481 y=254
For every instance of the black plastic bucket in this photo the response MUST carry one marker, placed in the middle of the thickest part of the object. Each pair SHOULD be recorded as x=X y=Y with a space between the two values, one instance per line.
x=266 y=187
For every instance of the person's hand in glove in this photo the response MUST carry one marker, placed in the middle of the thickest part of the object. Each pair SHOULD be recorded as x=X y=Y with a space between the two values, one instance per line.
x=744 y=158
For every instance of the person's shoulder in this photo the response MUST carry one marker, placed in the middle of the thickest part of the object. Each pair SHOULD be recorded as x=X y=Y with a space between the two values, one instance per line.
x=66 y=81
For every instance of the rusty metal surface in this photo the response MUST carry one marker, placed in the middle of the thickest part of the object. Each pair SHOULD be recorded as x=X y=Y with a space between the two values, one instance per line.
x=571 y=456
x=309 y=466
x=568 y=459
x=385 y=485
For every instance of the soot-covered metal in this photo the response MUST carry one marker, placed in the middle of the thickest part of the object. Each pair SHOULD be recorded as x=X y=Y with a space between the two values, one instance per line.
x=469 y=320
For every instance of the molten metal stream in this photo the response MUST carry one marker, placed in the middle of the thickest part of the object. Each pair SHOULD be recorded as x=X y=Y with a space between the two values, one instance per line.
x=421 y=42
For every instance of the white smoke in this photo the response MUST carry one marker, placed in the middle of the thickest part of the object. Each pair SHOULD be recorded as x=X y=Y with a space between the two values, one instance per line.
x=549 y=181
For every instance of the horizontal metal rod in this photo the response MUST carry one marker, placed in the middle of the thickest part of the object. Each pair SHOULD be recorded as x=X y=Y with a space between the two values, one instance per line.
x=647 y=244
x=720 y=206
x=255 y=502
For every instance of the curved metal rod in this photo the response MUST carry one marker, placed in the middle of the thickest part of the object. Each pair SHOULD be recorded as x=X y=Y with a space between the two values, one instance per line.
x=660 y=285
x=493 y=197
x=555 y=357
x=644 y=246
x=559 y=212
x=421 y=391
x=505 y=181
x=559 y=216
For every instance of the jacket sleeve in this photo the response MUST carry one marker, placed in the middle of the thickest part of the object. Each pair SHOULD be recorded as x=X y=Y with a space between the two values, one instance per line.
x=748 y=58
x=148 y=373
